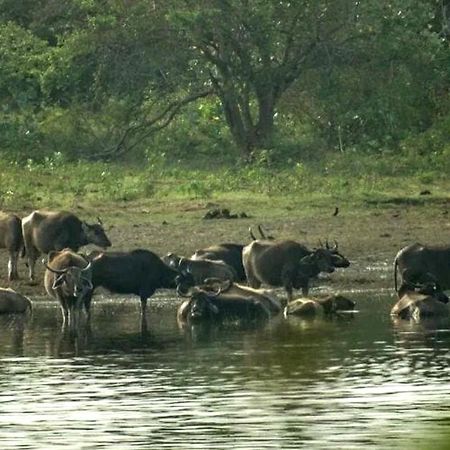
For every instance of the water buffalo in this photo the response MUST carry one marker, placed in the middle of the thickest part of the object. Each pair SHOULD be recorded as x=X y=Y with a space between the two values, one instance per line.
x=284 y=263
x=418 y=263
x=265 y=296
x=229 y=253
x=208 y=305
x=12 y=302
x=200 y=269
x=332 y=304
x=68 y=279
x=139 y=272
x=421 y=301
x=45 y=231
x=11 y=239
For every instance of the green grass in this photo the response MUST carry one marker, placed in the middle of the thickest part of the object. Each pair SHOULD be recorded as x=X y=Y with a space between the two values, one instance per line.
x=350 y=178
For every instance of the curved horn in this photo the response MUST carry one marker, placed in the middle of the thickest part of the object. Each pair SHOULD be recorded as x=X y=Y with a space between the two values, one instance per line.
x=87 y=267
x=327 y=245
x=58 y=271
x=335 y=245
x=320 y=243
x=99 y=220
x=225 y=286
x=261 y=232
x=251 y=234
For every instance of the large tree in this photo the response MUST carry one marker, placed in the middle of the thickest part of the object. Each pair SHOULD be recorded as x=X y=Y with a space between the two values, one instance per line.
x=253 y=50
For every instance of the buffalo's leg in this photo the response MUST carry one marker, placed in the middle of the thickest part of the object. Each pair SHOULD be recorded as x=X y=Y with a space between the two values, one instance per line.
x=13 y=274
x=143 y=306
x=32 y=256
x=305 y=289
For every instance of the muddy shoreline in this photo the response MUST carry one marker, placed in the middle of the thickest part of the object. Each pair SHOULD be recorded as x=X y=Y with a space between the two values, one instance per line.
x=369 y=237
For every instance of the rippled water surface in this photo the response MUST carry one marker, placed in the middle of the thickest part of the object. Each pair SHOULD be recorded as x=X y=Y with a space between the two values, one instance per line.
x=353 y=382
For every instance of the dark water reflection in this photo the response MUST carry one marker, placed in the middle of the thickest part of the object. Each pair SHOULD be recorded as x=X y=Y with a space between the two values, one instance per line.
x=347 y=383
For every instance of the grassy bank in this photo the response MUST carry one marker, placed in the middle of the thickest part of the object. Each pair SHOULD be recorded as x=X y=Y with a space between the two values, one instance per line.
x=354 y=179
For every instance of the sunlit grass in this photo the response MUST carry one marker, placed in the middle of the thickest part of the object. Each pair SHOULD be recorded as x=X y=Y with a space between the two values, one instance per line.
x=342 y=177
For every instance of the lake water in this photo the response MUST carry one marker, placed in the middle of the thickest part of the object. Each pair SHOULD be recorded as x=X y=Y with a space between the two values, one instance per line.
x=353 y=382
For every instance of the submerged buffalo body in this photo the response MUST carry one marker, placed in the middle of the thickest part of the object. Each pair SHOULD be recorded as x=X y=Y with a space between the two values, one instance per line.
x=418 y=264
x=11 y=239
x=284 y=263
x=332 y=304
x=138 y=272
x=44 y=232
x=415 y=305
x=232 y=304
x=68 y=279
x=12 y=302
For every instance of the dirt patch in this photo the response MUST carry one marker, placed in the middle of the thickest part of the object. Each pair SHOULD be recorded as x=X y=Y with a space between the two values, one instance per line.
x=369 y=236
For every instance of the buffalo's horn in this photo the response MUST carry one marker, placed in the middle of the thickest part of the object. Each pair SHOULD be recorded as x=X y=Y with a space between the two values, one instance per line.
x=58 y=271
x=87 y=267
x=182 y=293
x=225 y=286
x=251 y=234
x=261 y=232
x=335 y=245
x=327 y=245
x=99 y=220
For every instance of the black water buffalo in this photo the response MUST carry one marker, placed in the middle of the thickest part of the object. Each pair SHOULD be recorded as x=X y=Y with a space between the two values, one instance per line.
x=200 y=269
x=11 y=239
x=229 y=253
x=68 y=279
x=138 y=272
x=45 y=231
x=12 y=302
x=204 y=304
x=418 y=263
x=284 y=263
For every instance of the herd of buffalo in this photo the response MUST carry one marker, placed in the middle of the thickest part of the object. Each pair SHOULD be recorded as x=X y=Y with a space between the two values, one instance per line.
x=222 y=280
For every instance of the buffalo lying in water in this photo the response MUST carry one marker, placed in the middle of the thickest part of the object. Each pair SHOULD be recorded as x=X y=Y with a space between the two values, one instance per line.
x=12 y=302
x=419 y=301
x=230 y=300
x=333 y=304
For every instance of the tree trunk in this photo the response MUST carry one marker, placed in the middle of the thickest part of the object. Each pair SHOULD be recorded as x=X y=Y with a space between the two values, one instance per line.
x=246 y=135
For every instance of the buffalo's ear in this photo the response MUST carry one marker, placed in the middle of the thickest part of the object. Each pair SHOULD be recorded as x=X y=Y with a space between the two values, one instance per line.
x=58 y=281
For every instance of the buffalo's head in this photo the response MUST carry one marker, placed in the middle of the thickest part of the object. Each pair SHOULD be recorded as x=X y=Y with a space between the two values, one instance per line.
x=320 y=258
x=339 y=260
x=95 y=234
x=73 y=280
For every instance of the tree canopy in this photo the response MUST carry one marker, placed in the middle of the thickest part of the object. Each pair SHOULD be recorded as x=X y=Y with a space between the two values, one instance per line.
x=99 y=79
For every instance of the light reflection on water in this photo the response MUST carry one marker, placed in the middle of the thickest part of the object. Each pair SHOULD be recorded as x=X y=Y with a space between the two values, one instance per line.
x=342 y=383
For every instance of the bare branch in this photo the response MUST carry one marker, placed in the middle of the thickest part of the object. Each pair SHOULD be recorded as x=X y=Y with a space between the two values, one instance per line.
x=146 y=128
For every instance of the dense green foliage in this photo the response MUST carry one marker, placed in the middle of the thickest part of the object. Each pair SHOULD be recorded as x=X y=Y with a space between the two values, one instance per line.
x=222 y=80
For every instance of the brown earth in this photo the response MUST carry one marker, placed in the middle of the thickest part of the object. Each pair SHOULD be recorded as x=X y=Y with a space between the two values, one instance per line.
x=368 y=234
